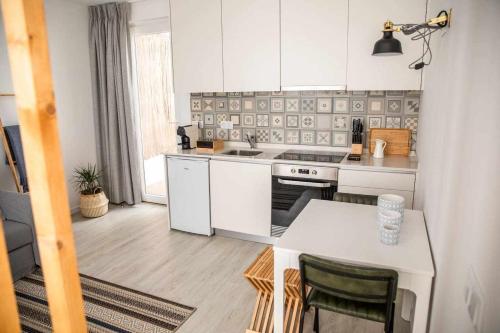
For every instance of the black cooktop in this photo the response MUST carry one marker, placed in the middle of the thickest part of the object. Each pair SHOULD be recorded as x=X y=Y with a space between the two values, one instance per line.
x=311 y=156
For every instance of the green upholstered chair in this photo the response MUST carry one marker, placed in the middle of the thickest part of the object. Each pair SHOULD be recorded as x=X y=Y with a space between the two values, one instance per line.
x=362 y=199
x=358 y=291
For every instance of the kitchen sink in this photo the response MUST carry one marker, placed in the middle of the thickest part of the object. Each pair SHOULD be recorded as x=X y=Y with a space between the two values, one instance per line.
x=242 y=152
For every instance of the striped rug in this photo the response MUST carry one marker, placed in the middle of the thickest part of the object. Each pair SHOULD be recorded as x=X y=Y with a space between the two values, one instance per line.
x=108 y=307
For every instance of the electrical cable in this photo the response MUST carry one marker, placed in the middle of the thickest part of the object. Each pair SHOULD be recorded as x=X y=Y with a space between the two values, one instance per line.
x=423 y=32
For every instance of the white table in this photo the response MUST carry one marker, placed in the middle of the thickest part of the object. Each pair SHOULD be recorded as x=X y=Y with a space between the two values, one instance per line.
x=348 y=233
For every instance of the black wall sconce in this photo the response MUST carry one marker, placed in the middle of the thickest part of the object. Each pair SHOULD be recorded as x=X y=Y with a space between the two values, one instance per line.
x=388 y=45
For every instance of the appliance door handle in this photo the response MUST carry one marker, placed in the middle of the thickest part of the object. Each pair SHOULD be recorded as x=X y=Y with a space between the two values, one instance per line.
x=301 y=183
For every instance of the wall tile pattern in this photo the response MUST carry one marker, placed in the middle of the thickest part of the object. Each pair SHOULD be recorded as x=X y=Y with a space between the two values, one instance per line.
x=322 y=118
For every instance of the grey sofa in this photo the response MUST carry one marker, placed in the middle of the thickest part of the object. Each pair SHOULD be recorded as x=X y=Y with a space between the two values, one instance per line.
x=19 y=233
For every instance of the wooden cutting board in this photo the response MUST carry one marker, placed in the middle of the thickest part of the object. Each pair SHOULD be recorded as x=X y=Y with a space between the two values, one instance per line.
x=398 y=140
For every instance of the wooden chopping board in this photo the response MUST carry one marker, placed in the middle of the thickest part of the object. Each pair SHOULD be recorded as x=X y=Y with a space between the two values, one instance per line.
x=398 y=140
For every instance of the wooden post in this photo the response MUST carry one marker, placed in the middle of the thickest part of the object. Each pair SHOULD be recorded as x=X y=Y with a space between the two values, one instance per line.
x=9 y=320
x=29 y=58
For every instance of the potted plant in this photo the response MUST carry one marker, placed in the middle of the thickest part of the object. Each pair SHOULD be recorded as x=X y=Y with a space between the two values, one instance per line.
x=93 y=201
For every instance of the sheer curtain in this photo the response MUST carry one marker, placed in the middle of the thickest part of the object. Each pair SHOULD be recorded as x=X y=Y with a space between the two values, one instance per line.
x=154 y=93
x=116 y=131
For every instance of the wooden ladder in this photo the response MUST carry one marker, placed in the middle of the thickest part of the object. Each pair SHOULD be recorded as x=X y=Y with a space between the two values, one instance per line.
x=9 y=157
x=27 y=43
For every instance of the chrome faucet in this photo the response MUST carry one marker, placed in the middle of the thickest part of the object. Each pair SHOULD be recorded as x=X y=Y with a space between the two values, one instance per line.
x=251 y=141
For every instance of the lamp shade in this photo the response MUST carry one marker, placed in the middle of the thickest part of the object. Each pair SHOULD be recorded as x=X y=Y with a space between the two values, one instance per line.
x=387 y=45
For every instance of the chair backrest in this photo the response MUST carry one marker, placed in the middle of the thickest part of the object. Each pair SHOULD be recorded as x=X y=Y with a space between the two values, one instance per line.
x=351 y=282
x=362 y=199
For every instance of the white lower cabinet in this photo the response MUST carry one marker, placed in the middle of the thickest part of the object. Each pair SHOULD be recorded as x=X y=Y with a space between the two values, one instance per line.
x=376 y=183
x=240 y=197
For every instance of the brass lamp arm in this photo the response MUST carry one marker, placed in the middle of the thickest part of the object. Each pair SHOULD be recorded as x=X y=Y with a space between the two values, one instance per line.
x=444 y=17
x=439 y=22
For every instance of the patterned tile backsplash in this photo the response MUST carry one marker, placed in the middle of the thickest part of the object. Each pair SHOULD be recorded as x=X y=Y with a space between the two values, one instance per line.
x=322 y=118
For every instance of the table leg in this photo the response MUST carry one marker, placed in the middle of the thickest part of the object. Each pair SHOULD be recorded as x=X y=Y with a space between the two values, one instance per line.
x=422 y=289
x=280 y=264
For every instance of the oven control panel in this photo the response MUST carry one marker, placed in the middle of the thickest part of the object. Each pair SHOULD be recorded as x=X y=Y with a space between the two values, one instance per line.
x=305 y=171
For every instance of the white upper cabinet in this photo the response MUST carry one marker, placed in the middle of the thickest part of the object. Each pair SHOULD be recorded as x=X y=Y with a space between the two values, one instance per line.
x=251 y=45
x=197 y=45
x=314 y=42
x=366 y=20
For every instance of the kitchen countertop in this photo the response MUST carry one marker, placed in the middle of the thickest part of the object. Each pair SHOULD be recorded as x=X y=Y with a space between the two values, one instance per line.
x=392 y=163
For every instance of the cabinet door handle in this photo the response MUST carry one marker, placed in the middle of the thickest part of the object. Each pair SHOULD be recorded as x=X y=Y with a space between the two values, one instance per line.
x=301 y=183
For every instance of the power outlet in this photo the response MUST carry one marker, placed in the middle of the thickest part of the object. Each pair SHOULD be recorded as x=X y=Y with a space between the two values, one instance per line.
x=474 y=300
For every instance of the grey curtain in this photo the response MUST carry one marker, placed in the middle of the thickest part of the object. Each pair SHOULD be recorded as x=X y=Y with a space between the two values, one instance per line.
x=115 y=126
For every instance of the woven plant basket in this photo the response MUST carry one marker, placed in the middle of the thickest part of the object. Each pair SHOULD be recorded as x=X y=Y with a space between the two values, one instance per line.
x=93 y=205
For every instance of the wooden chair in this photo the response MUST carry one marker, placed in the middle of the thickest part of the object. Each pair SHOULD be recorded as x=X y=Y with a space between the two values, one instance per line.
x=261 y=275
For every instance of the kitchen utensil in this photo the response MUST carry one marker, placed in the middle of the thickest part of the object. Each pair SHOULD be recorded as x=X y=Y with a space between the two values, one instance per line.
x=357 y=137
x=379 y=148
x=398 y=140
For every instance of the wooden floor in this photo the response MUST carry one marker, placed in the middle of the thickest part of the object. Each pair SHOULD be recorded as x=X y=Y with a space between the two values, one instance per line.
x=132 y=247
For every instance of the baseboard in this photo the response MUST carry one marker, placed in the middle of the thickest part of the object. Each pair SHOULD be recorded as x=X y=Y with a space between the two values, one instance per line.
x=75 y=210
x=247 y=237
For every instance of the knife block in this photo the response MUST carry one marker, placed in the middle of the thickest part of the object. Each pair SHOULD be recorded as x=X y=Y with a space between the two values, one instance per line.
x=357 y=148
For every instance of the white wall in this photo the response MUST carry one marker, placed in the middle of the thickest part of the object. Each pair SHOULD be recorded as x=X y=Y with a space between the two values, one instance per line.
x=67 y=24
x=145 y=10
x=459 y=182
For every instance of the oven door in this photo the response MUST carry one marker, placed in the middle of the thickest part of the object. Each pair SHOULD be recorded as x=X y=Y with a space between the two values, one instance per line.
x=291 y=195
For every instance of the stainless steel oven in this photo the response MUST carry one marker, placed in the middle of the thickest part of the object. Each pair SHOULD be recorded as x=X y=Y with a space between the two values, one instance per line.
x=294 y=186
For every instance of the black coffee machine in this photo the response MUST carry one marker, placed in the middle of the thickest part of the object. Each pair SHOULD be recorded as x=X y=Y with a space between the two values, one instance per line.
x=185 y=140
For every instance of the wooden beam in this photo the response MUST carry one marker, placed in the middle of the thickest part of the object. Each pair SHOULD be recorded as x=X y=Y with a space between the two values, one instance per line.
x=29 y=58
x=7 y=95
x=12 y=167
x=9 y=319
